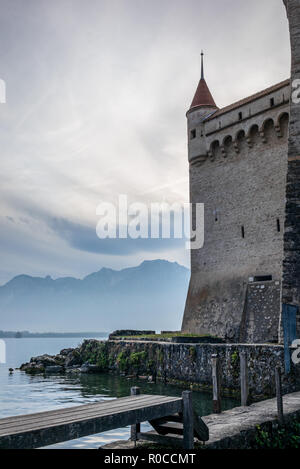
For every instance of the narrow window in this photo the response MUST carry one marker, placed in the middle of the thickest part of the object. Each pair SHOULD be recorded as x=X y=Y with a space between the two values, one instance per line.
x=263 y=278
x=240 y=116
x=243 y=232
x=278 y=225
x=272 y=102
x=193 y=134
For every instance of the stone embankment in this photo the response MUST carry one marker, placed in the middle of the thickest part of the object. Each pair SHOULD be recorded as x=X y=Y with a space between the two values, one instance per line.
x=188 y=365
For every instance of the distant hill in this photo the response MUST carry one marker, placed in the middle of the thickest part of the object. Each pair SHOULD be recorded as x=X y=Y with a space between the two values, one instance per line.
x=150 y=296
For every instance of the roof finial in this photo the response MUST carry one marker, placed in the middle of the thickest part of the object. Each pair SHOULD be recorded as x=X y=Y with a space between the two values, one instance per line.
x=202 y=66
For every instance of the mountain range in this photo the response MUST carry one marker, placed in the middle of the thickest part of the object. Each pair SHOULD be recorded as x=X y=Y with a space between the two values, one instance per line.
x=149 y=296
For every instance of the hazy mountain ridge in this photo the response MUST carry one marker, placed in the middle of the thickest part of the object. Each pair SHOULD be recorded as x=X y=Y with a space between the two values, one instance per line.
x=151 y=295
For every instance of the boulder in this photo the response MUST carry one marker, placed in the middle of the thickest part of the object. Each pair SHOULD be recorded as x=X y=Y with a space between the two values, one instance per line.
x=32 y=368
x=66 y=351
x=73 y=359
x=88 y=368
x=44 y=360
x=54 y=369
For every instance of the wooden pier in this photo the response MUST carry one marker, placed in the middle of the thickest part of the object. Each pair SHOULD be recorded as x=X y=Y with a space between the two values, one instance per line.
x=48 y=428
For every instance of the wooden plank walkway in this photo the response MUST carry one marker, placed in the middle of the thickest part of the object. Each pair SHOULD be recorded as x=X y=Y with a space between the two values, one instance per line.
x=47 y=428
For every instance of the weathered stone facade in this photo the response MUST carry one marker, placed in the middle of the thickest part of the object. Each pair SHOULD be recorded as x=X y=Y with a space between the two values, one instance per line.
x=186 y=364
x=291 y=265
x=239 y=169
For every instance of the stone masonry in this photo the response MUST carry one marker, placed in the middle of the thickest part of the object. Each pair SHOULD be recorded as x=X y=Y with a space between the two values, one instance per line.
x=239 y=169
x=291 y=265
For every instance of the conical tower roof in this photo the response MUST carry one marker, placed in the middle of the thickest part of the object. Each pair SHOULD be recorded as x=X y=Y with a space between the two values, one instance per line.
x=203 y=96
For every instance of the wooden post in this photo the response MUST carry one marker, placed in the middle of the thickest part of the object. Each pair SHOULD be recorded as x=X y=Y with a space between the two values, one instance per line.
x=244 y=379
x=135 y=429
x=279 y=395
x=188 y=420
x=216 y=380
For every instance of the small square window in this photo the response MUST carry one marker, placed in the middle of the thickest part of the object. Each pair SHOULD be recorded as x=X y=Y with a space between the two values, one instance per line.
x=272 y=102
x=193 y=134
x=240 y=116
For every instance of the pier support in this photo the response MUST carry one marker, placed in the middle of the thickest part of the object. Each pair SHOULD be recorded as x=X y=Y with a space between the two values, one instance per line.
x=244 y=379
x=135 y=429
x=188 y=420
x=216 y=381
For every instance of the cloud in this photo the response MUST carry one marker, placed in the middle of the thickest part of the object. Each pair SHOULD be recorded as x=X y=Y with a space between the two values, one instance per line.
x=84 y=238
x=96 y=98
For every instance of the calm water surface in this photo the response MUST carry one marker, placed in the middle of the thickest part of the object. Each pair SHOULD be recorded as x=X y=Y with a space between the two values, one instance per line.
x=24 y=394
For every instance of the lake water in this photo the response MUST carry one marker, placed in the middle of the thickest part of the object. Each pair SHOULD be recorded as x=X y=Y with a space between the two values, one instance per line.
x=24 y=394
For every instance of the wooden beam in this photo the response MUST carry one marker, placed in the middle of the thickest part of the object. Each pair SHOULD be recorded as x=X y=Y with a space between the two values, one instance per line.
x=201 y=430
x=188 y=420
x=279 y=395
x=216 y=381
x=136 y=428
x=244 y=379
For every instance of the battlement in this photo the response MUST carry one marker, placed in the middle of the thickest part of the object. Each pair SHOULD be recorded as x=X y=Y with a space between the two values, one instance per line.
x=222 y=133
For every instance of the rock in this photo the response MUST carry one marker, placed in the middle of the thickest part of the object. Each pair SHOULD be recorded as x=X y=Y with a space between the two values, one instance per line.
x=60 y=360
x=32 y=368
x=66 y=351
x=73 y=369
x=88 y=368
x=44 y=360
x=73 y=359
x=54 y=369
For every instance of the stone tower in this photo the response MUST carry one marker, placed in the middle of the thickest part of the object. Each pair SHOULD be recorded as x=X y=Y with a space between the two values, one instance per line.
x=238 y=169
x=291 y=264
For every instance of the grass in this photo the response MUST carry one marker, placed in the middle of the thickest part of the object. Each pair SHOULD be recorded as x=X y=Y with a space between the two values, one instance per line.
x=169 y=335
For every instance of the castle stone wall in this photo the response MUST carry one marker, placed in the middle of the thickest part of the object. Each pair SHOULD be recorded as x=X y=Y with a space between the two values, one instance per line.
x=242 y=185
x=291 y=265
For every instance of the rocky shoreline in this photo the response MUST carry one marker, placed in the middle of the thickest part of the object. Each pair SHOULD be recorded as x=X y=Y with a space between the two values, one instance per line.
x=70 y=360
x=185 y=364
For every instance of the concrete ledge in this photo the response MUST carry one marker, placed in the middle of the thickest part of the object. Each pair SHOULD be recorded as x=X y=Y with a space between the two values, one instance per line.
x=236 y=428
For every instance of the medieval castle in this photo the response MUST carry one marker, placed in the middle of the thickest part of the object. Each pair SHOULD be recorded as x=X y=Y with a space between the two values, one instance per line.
x=240 y=169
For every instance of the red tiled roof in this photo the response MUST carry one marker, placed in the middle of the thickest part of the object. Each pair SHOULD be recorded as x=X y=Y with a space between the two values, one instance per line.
x=249 y=99
x=203 y=96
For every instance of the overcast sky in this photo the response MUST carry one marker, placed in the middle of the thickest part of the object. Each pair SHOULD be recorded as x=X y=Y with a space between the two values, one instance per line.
x=97 y=92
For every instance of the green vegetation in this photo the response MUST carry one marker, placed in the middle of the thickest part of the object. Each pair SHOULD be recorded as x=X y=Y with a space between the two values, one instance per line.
x=137 y=358
x=286 y=437
x=160 y=356
x=234 y=357
x=168 y=335
x=95 y=353
x=193 y=353
x=122 y=361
